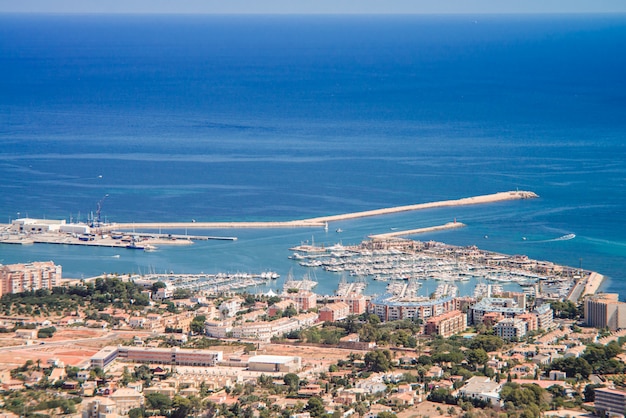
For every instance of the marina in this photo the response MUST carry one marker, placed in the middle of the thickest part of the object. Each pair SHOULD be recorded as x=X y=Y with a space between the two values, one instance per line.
x=206 y=284
x=406 y=264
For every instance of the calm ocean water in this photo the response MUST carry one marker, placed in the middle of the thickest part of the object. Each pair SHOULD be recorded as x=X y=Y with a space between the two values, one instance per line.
x=276 y=118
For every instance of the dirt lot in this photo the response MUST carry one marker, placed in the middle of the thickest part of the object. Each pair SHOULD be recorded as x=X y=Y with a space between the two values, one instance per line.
x=72 y=346
x=429 y=409
x=69 y=354
x=310 y=355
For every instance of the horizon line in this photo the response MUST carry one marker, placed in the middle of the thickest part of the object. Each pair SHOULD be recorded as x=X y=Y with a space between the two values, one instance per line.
x=275 y=13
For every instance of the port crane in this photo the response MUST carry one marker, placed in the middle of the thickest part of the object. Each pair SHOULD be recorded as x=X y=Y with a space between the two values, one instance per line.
x=95 y=221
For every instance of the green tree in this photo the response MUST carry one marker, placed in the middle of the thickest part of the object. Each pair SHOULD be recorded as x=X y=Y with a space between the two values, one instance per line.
x=126 y=376
x=572 y=366
x=181 y=406
x=156 y=286
x=159 y=401
x=477 y=357
x=590 y=392
x=46 y=332
x=136 y=413
x=486 y=342
x=290 y=311
x=565 y=310
x=197 y=324
x=442 y=395
x=425 y=360
x=378 y=360
x=315 y=407
x=291 y=381
x=373 y=319
x=313 y=335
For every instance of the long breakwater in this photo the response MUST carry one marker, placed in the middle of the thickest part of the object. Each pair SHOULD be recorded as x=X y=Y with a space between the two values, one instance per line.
x=324 y=220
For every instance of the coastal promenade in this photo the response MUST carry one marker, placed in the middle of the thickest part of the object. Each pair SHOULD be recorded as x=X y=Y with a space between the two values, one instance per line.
x=324 y=220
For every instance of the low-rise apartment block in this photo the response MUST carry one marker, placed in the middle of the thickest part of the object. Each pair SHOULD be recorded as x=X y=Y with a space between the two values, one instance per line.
x=447 y=324
x=509 y=328
x=334 y=312
x=303 y=299
x=175 y=356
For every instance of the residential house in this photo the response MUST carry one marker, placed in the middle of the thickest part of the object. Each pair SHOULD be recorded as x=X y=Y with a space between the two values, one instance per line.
x=482 y=387
x=127 y=399
x=99 y=407
x=557 y=375
x=57 y=374
x=229 y=308
x=525 y=369
x=27 y=334
x=310 y=390
x=371 y=385
x=280 y=307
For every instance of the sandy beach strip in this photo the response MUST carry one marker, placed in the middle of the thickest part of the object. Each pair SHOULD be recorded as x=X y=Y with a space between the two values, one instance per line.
x=321 y=221
x=593 y=283
x=449 y=225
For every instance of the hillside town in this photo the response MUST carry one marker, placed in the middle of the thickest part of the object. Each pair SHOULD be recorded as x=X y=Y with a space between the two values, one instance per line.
x=125 y=345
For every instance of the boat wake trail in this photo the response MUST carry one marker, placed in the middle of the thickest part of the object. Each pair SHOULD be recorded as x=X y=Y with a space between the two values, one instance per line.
x=561 y=238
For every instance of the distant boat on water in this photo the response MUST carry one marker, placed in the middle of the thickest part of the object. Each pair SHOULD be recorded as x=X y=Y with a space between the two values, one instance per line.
x=566 y=237
x=339 y=230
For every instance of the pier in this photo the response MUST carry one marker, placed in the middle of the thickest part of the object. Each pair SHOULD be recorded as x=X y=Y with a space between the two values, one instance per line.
x=449 y=225
x=323 y=221
x=177 y=236
x=475 y=200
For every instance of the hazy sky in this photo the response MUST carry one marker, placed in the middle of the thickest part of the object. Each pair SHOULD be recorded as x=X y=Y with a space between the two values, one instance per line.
x=314 y=6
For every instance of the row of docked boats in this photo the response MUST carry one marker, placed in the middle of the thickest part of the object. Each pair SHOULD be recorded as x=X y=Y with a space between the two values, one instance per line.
x=213 y=283
x=393 y=264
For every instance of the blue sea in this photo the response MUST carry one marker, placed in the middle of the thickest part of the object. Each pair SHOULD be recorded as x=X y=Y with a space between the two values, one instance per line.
x=249 y=118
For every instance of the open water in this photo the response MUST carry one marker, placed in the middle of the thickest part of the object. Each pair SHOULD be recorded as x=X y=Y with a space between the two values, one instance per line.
x=286 y=117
